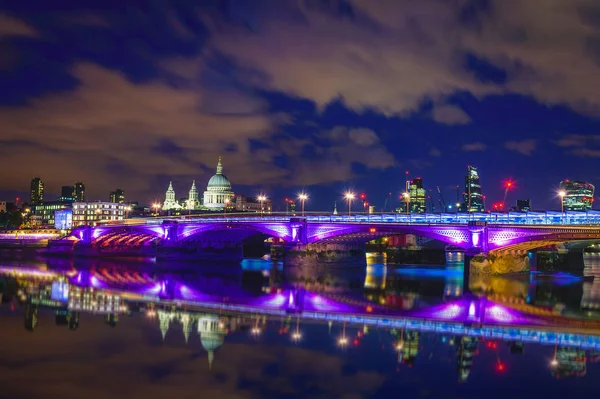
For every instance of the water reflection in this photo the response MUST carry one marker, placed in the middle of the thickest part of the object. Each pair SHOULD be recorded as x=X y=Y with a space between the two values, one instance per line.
x=411 y=315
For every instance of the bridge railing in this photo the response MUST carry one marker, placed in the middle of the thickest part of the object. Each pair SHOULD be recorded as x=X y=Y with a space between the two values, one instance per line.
x=517 y=218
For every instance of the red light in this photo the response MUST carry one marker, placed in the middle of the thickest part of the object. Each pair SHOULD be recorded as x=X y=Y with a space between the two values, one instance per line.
x=369 y=309
x=500 y=367
x=372 y=230
x=363 y=196
x=355 y=342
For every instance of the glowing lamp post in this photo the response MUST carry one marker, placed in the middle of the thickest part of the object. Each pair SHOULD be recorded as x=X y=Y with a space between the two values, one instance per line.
x=562 y=195
x=303 y=197
x=406 y=196
x=261 y=199
x=156 y=207
x=349 y=196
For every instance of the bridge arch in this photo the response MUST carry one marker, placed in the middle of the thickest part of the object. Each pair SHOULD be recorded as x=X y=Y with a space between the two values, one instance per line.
x=502 y=238
x=244 y=230
x=459 y=236
x=119 y=236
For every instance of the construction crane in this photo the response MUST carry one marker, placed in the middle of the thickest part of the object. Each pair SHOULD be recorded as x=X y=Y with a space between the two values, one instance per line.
x=441 y=200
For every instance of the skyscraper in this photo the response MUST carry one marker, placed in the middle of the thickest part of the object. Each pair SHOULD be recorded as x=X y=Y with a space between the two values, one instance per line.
x=117 y=196
x=417 y=196
x=67 y=194
x=37 y=191
x=416 y=199
x=472 y=197
x=79 y=192
x=579 y=195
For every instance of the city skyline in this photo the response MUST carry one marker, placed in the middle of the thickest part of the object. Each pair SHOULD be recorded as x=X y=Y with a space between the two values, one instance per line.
x=324 y=97
x=429 y=199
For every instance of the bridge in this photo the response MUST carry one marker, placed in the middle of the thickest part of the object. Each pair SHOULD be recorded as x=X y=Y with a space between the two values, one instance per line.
x=473 y=233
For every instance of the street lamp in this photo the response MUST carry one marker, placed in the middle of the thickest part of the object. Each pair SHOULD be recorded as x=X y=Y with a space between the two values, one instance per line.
x=261 y=199
x=349 y=197
x=302 y=197
x=156 y=207
x=407 y=201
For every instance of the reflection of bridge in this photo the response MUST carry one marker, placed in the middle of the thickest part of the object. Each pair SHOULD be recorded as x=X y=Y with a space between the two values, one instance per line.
x=470 y=316
x=473 y=233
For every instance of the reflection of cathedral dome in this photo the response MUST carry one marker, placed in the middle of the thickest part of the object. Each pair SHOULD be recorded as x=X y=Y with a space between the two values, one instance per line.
x=212 y=334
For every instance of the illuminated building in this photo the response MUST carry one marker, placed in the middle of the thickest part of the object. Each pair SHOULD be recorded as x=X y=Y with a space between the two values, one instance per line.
x=170 y=203
x=79 y=192
x=417 y=196
x=579 y=195
x=523 y=205
x=193 y=202
x=410 y=347
x=248 y=204
x=43 y=213
x=117 y=196
x=571 y=362
x=472 y=197
x=2 y=206
x=218 y=191
x=63 y=219
x=466 y=349
x=97 y=301
x=90 y=213
x=67 y=194
x=36 y=192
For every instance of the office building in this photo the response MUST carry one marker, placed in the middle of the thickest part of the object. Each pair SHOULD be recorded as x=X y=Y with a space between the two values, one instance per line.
x=578 y=195
x=66 y=194
x=472 y=197
x=43 y=214
x=117 y=196
x=416 y=196
x=248 y=204
x=523 y=205
x=79 y=192
x=91 y=213
x=37 y=191
x=63 y=219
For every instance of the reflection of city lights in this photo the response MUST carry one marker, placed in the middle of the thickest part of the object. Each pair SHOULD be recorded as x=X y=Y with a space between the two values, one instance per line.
x=554 y=363
x=255 y=331
x=399 y=346
x=296 y=336
x=343 y=341
x=151 y=313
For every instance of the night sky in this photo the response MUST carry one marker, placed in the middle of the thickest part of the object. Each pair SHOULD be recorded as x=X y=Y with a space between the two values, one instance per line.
x=305 y=94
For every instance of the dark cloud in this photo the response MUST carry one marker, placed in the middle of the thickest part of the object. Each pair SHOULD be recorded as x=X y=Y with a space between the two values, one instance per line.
x=524 y=147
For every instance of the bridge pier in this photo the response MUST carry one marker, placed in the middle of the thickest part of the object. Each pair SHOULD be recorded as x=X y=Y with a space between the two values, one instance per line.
x=466 y=289
x=325 y=267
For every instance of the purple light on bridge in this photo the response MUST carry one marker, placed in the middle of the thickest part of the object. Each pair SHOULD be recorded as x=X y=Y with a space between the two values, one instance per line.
x=94 y=282
x=322 y=304
x=191 y=294
x=277 y=301
x=501 y=314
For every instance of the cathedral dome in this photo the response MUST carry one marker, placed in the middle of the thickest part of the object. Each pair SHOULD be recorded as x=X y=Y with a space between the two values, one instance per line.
x=219 y=182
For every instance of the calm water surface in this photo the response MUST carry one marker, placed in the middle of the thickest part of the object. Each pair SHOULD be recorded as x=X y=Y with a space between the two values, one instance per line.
x=133 y=360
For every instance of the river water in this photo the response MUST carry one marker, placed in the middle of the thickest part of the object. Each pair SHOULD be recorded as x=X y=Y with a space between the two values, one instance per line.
x=133 y=360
